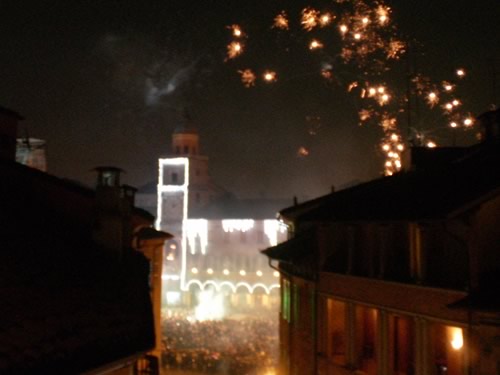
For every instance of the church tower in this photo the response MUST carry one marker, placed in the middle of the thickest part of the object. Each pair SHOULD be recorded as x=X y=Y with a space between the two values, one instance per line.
x=184 y=188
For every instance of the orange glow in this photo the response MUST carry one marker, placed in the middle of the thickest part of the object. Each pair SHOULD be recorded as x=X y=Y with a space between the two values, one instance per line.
x=457 y=338
x=270 y=76
x=315 y=44
x=247 y=77
x=281 y=21
x=234 y=49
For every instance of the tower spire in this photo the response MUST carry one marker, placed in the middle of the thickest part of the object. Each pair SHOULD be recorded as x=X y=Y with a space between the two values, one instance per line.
x=185 y=139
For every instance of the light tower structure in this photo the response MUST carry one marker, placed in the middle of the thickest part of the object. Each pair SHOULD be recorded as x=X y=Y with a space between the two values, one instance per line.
x=184 y=185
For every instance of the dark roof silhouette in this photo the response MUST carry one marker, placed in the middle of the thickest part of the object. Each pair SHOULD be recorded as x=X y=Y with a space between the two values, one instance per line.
x=66 y=306
x=422 y=194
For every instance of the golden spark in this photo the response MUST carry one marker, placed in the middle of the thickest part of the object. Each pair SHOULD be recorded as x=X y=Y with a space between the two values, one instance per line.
x=247 y=77
x=281 y=21
x=269 y=76
x=383 y=14
x=236 y=31
x=309 y=18
x=325 y=19
x=234 y=49
x=315 y=44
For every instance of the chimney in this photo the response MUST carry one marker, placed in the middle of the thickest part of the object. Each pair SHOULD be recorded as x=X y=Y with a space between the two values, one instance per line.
x=490 y=126
x=8 y=133
x=113 y=210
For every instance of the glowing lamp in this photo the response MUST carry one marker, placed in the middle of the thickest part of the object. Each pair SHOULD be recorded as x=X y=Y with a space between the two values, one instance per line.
x=431 y=144
x=343 y=29
x=457 y=338
x=259 y=273
x=210 y=271
x=225 y=272
x=468 y=122
x=453 y=124
x=243 y=273
x=357 y=36
x=276 y=274
x=460 y=72
x=365 y=20
x=194 y=270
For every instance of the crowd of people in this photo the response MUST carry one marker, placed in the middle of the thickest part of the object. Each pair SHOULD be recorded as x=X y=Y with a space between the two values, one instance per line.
x=229 y=346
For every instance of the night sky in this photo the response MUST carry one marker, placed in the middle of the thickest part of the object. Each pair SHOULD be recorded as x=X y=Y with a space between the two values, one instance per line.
x=106 y=82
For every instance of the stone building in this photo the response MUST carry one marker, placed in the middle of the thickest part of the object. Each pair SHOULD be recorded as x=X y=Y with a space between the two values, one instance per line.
x=399 y=275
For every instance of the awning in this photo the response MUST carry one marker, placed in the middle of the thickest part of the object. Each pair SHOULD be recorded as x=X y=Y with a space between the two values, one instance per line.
x=292 y=250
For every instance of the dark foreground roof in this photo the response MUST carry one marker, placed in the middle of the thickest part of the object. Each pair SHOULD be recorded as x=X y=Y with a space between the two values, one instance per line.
x=426 y=194
x=66 y=307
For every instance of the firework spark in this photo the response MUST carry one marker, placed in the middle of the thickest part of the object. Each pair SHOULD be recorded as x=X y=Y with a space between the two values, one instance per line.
x=234 y=49
x=369 y=42
x=269 y=76
x=310 y=18
x=315 y=44
x=247 y=77
x=281 y=21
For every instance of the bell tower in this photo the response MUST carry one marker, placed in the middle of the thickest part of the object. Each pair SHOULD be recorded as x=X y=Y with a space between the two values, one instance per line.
x=186 y=140
x=184 y=188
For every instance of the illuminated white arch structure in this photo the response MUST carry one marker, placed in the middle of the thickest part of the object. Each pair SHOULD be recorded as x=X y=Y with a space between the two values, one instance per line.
x=251 y=288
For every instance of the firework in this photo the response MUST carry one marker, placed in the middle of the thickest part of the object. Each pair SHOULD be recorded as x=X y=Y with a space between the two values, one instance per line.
x=310 y=18
x=236 y=31
x=247 y=77
x=269 y=76
x=315 y=44
x=281 y=21
x=234 y=49
x=367 y=41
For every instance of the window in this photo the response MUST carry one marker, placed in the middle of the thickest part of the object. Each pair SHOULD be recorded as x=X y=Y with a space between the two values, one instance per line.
x=365 y=339
x=447 y=350
x=177 y=150
x=186 y=149
x=296 y=304
x=175 y=178
x=402 y=333
x=337 y=338
x=285 y=301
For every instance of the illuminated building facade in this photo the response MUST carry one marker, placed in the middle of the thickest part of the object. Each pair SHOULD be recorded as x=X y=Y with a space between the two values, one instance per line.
x=217 y=237
x=398 y=275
